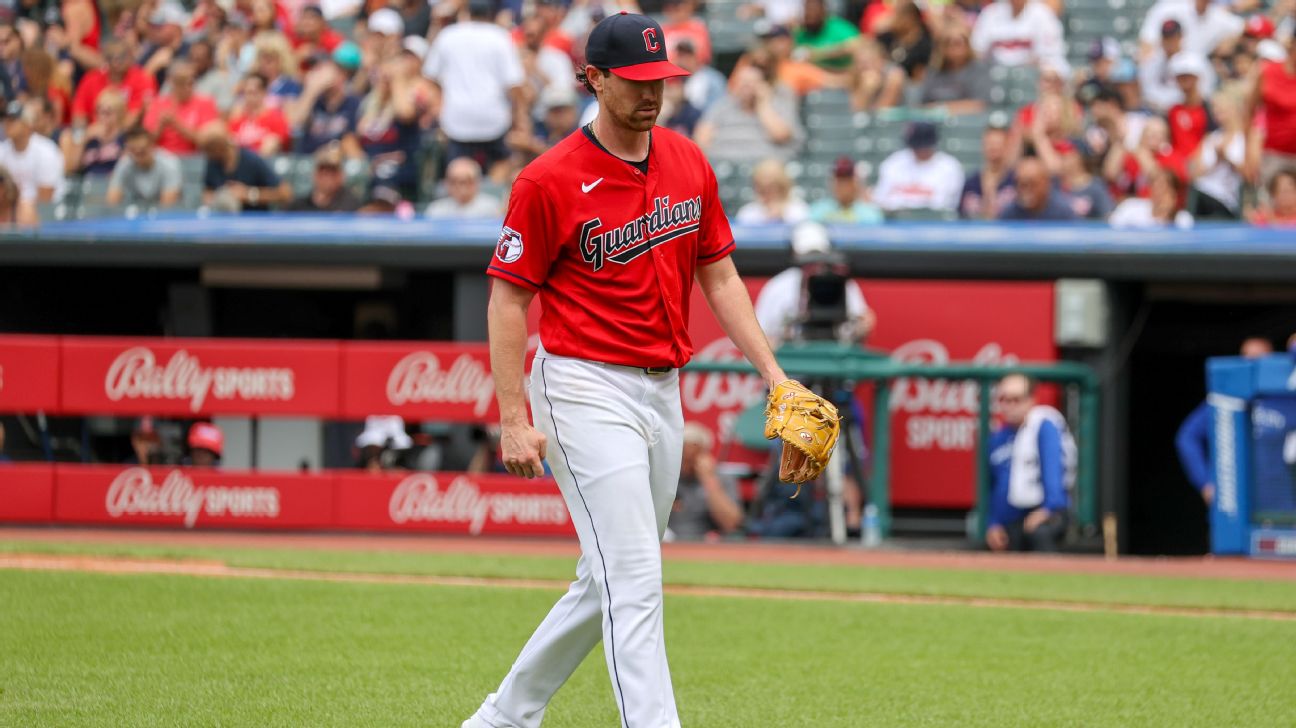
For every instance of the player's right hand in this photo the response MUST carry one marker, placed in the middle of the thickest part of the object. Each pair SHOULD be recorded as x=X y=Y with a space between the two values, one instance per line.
x=522 y=448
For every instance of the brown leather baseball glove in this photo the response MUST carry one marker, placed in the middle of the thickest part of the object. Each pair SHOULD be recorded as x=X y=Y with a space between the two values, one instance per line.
x=807 y=424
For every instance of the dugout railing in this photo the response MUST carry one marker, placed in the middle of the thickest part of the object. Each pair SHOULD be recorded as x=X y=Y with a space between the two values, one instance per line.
x=826 y=361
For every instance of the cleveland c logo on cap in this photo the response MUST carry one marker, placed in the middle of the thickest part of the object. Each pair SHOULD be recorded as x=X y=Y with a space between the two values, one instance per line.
x=650 y=40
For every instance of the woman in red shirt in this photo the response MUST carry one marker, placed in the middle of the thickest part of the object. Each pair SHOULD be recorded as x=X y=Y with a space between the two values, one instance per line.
x=257 y=126
x=1273 y=92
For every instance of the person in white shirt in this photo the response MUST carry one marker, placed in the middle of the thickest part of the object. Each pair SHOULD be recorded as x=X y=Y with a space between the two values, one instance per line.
x=463 y=182
x=480 y=75
x=1206 y=24
x=1216 y=168
x=919 y=176
x=34 y=162
x=1159 y=209
x=775 y=202
x=1017 y=33
x=1157 y=77
x=778 y=306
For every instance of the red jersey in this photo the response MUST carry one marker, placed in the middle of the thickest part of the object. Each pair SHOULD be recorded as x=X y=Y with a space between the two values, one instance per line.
x=138 y=86
x=194 y=113
x=611 y=250
x=1188 y=126
x=250 y=132
x=1278 y=96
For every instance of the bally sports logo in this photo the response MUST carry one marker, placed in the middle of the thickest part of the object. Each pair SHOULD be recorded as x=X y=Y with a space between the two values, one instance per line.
x=136 y=374
x=419 y=377
x=420 y=498
x=133 y=493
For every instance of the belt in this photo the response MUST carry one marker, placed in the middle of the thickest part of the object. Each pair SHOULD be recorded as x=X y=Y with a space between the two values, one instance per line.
x=658 y=370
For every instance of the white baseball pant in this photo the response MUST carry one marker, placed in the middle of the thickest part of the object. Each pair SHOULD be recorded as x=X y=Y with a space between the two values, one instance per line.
x=615 y=439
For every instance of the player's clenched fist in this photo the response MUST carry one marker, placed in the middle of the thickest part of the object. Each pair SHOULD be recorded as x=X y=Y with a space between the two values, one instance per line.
x=522 y=447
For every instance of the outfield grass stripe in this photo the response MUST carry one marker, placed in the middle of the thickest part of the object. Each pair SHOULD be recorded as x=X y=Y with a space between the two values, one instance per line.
x=208 y=568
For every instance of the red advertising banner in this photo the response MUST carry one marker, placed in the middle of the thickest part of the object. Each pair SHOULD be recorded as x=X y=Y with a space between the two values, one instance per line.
x=191 y=497
x=447 y=382
x=188 y=377
x=26 y=492
x=452 y=503
x=28 y=373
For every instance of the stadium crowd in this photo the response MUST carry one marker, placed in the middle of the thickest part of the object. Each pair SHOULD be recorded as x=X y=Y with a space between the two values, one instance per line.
x=853 y=111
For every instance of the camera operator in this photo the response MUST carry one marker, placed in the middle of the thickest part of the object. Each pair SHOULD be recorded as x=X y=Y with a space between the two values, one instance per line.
x=816 y=300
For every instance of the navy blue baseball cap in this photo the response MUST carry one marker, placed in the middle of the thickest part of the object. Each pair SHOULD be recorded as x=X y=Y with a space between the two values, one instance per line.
x=632 y=47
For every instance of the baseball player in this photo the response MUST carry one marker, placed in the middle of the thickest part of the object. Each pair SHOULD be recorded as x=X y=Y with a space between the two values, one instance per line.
x=610 y=227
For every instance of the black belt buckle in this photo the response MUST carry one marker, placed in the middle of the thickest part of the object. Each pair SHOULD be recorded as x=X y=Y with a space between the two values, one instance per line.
x=658 y=370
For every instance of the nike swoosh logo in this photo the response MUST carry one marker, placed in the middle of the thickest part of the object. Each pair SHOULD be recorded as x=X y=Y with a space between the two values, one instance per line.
x=587 y=187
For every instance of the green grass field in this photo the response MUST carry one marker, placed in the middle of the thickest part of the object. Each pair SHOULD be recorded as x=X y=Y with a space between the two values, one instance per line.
x=142 y=650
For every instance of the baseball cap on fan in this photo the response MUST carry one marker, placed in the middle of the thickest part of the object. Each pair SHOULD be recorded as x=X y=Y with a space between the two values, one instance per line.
x=630 y=46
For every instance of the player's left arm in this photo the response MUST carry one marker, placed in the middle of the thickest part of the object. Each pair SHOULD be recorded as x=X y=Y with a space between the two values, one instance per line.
x=727 y=296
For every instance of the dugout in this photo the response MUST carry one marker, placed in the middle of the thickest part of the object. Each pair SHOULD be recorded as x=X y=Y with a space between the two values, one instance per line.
x=1165 y=301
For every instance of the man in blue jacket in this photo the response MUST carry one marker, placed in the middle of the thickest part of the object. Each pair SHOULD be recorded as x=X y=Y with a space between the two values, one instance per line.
x=1028 y=471
x=1193 y=438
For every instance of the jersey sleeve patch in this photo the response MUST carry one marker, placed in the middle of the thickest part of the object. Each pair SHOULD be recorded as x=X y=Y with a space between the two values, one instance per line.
x=509 y=247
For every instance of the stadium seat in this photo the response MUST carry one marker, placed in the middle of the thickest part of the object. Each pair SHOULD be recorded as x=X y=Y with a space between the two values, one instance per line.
x=921 y=215
x=94 y=188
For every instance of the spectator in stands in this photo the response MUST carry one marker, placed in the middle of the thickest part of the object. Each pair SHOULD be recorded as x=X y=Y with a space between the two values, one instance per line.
x=874 y=82
x=1050 y=120
x=1130 y=172
x=236 y=179
x=329 y=192
x=82 y=33
x=465 y=198
x=1037 y=200
x=13 y=209
x=176 y=117
x=120 y=73
x=1215 y=169
x=775 y=201
x=255 y=123
x=45 y=87
x=705 y=85
x=146 y=176
x=1017 y=33
x=1157 y=79
x=1088 y=194
x=1281 y=208
x=995 y=174
x=777 y=57
x=326 y=112
x=919 y=176
x=206 y=444
x=777 y=12
x=166 y=42
x=706 y=503
x=388 y=130
x=680 y=24
x=96 y=148
x=480 y=77
x=1161 y=208
x=1272 y=144
x=1192 y=441
x=312 y=36
x=756 y=120
x=1189 y=119
x=957 y=82
x=1030 y=456
x=544 y=64
x=906 y=40
x=213 y=79
x=33 y=161
x=825 y=39
x=559 y=117
x=677 y=114
x=1102 y=56
x=846 y=204
x=1206 y=25
x=12 y=81
x=277 y=65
